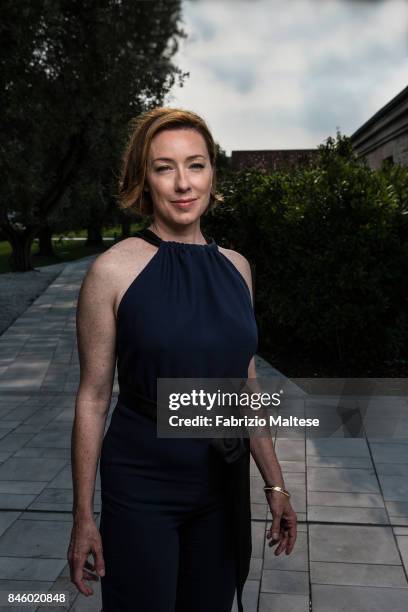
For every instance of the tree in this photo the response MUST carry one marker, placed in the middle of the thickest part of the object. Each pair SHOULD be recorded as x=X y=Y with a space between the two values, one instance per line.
x=223 y=162
x=72 y=74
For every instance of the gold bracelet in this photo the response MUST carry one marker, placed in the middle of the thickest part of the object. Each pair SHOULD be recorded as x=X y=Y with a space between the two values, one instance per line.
x=276 y=488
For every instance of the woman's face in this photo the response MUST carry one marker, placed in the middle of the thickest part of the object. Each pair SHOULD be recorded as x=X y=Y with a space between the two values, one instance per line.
x=179 y=175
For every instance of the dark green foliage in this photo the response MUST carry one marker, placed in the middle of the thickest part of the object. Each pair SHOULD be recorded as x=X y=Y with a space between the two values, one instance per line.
x=329 y=248
x=72 y=74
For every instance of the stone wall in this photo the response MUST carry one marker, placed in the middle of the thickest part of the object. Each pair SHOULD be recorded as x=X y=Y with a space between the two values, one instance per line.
x=272 y=160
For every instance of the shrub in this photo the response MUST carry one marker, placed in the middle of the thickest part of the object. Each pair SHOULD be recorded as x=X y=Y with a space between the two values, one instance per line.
x=329 y=249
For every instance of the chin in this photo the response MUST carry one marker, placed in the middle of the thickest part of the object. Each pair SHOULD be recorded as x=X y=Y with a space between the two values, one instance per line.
x=187 y=215
x=186 y=218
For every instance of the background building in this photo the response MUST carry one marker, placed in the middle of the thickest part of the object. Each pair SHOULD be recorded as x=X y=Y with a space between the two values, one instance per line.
x=271 y=159
x=385 y=135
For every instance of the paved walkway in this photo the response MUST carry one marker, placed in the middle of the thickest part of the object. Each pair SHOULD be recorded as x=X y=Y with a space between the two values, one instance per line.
x=350 y=493
x=19 y=289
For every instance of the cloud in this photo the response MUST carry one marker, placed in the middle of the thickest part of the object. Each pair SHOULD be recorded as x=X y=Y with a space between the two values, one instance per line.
x=279 y=74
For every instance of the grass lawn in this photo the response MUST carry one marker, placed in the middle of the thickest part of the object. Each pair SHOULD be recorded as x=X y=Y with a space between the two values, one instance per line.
x=67 y=250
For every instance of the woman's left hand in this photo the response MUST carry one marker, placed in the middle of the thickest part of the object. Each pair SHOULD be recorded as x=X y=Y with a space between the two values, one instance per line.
x=284 y=522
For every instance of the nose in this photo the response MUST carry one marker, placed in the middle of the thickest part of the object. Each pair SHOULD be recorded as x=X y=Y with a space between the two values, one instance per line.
x=181 y=181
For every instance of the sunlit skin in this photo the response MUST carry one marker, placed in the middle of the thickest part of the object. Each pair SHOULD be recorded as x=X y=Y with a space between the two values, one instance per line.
x=179 y=168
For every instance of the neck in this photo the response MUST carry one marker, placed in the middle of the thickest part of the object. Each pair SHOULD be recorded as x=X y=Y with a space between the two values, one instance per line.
x=189 y=234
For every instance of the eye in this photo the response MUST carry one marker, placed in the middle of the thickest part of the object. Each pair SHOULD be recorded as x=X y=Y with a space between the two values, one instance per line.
x=195 y=165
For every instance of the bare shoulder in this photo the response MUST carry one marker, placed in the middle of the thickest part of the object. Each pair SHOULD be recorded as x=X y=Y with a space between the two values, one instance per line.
x=241 y=263
x=237 y=259
x=120 y=252
x=116 y=268
x=101 y=275
x=110 y=269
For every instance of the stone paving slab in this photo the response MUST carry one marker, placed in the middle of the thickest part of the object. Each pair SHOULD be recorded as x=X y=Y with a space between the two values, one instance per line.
x=358 y=574
x=26 y=568
x=12 y=501
x=402 y=541
x=7 y=519
x=355 y=500
x=349 y=490
x=17 y=290
x=37 y=469
x=290 y=582
x=31 y=538
x=338 y=447
x=332 y=514
x=269 y=602
x=28 y=451
x=316 y=461
x=389 y=453
x=342 y=480
x=353 y=544
x=358 y=599
x=395 y=488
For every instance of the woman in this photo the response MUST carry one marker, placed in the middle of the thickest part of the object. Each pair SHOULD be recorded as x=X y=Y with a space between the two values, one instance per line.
x=175 y=522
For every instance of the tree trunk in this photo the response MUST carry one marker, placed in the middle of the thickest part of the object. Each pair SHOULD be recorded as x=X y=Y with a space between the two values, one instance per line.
x=45 y=246
x=21 y=241
x=126 y=223
x=94 y=236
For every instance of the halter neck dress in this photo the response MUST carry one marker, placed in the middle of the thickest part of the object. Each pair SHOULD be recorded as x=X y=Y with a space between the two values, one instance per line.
x=187 y=314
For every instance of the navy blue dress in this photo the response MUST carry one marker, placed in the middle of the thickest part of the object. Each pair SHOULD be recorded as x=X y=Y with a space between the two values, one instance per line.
x=168 y=540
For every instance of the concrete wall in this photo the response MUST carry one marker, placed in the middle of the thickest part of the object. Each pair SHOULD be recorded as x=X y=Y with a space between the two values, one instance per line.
x=385 y=134
x=397 y=149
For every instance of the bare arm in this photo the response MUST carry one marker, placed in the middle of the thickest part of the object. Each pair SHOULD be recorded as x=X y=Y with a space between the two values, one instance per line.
x=263 y=450
x=284 y=525
x=96 y=338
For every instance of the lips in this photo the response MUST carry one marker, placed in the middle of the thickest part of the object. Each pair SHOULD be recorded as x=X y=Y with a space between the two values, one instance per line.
x=184 y=203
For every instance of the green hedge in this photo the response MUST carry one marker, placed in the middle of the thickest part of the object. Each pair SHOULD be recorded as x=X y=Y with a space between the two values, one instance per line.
x=329 y=248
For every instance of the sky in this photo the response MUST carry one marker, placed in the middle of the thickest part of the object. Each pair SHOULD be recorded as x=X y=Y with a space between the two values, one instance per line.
x=286 y=74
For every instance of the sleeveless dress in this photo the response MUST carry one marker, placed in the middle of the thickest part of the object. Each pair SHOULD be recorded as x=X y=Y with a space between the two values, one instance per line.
x=187 y=314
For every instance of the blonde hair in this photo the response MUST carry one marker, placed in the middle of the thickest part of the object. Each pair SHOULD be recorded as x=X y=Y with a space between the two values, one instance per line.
x=132 y=195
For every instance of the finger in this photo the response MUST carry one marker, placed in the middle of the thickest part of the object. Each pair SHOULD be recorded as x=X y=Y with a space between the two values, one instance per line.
x=273 y=541
x=291 y=541
x=77 y=579
x=276 y=526
x=269 y=535
x=291 y=518
x=91 y=571
x=99 y=561
x=282 y=540
x=87 y=575
x=81 y=586
x=282 y=545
